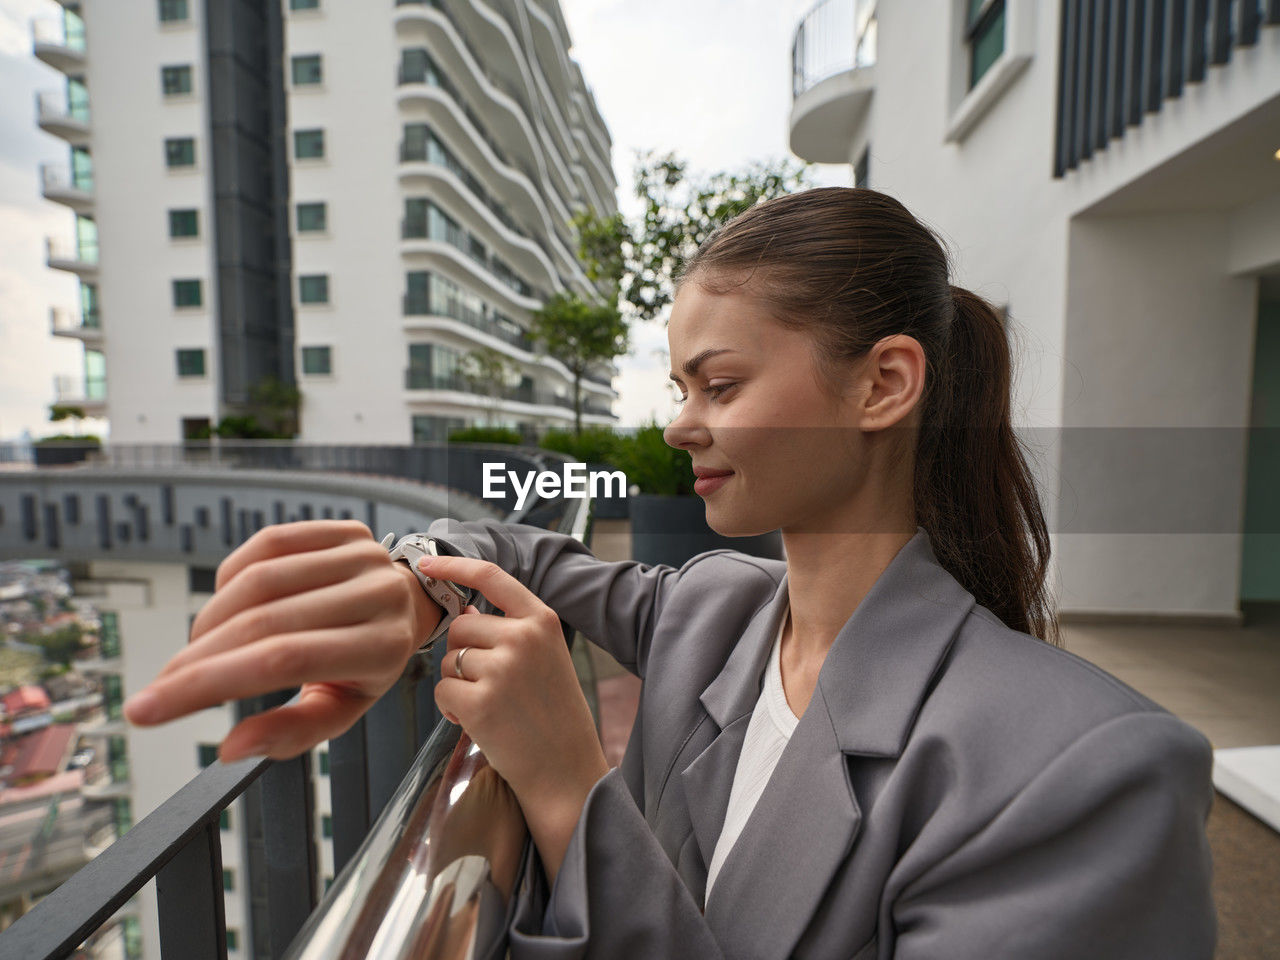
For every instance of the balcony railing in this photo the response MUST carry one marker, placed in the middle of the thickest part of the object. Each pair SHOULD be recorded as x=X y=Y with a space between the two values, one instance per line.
x=68 y=388
x=835 y=36
x=1114 y=70
x=59 y=32
x=421 y=378
x=67 y=323
x=56 y=178
x=427 y=859
x=78 y=254
x=54 y=109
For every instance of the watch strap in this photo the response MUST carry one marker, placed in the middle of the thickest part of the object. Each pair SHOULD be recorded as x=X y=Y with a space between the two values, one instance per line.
x=451 y=597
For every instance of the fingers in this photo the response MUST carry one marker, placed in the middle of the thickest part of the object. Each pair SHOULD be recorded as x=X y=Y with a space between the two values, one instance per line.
x=323 y=712
x=496 y=585
x=356 y=656
x=285 y=538
x=281 y=576
x=363 y=598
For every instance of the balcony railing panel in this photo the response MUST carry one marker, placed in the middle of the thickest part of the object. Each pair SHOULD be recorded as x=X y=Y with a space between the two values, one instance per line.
x=1120 y=61
x=835 y=36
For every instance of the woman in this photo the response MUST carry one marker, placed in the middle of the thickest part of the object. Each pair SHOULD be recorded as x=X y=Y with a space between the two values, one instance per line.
x=863 y=751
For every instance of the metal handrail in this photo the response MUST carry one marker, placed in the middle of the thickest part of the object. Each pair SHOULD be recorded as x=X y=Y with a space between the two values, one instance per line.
x=833 y=37
x=435 y=874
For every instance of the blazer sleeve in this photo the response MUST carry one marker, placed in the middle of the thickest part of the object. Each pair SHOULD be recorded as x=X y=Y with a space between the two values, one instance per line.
x=613 y=604
x=1103 y=855
x=616 y=897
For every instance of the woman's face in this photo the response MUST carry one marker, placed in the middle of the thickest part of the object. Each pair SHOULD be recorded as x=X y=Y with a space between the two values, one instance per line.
x=754 y=406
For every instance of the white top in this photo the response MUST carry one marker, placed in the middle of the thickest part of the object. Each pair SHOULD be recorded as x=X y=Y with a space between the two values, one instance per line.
x=768 y=731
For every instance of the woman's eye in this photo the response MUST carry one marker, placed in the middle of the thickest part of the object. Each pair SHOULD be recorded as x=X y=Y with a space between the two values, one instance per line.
x=713 y=391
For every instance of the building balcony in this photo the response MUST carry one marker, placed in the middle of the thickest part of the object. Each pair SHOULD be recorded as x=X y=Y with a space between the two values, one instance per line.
x=61 y=185
x=833 y=60
x=80 y=326
x=80 y=258
x=59 y=42
x=56 y=115
x=90 y=395
x=419 y=378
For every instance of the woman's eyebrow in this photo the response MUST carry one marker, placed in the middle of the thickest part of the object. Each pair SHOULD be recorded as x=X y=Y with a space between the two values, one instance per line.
x=691 y=365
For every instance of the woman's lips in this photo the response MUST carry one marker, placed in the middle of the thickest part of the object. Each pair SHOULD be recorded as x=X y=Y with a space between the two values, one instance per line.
x=705 y=485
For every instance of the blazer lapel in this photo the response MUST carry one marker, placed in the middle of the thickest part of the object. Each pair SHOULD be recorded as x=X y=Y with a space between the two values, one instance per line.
x=729 y=701
x=869 y=691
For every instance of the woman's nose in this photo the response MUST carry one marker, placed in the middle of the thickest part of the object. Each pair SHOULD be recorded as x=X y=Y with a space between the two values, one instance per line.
x=682 y=433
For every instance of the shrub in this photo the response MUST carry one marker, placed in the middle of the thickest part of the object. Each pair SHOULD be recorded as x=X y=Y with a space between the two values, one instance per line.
x=652 y=465
x=593 y=445
x=486 y=435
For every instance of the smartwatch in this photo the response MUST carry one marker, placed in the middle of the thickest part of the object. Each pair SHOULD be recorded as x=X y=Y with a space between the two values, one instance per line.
x=451 y=597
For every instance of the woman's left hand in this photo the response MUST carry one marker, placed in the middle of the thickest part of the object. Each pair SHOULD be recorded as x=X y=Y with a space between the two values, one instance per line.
x=520 y=701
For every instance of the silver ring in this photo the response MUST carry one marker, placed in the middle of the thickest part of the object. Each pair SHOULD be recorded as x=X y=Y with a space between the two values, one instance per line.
x=457 y=665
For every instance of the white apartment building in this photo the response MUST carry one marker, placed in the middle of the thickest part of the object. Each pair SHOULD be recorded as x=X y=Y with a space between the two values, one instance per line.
x=348 y=196
x=1108 y=172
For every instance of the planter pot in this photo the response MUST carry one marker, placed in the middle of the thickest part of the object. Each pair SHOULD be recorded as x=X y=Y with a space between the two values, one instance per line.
x=56 y=454
x=672 y=530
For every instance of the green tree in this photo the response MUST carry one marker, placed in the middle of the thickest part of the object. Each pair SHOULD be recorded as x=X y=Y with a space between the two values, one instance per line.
x=60 y=411
x=60 y=645
x=579 y=334
x=488 y=372
x=678 y=212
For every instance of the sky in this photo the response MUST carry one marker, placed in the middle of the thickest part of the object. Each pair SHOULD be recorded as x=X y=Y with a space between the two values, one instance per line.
x=707 y=79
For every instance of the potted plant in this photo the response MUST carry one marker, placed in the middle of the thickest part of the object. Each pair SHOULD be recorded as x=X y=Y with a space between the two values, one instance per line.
x=668 y=520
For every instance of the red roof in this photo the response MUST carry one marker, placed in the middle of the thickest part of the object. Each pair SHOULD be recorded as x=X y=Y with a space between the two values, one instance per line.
x=40 y=754
x=26 y=698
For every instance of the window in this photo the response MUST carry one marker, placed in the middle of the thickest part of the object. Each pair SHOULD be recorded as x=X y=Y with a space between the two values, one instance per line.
x=124 y=815
x=984 y=33
x=185 y=223
x=224 y=819
x=326 y=826
x=89 y=315
x=312 y=217
x=191 y=364
x=82 y=169
x=228 y=879
x=317 y=360
x=324 y=763
x=186 y=293
x=304 y=4
x=172 y=11
x=202 y=579
x=233 y=938
x=180 y=152
x=308 y=144
x=307 y=70
x=313 y=288
x=176 y=80
x=207 y=754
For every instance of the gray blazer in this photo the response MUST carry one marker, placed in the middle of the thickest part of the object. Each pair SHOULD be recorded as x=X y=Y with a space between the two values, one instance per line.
x=955 y=789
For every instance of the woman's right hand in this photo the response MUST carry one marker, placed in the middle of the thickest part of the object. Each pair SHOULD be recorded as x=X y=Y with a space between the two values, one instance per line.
x=317 y=604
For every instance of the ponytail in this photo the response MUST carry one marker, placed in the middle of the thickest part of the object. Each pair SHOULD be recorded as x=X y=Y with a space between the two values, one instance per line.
x=975 y=494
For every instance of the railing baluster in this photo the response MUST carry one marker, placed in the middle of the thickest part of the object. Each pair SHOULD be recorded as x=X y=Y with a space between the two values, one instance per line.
x=1220 y=30
x=189 y=899
x=290 y=848
x=390 y=724
x=348 y=779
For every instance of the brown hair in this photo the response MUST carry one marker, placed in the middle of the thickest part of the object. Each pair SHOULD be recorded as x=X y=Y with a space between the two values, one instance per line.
x=853 y=266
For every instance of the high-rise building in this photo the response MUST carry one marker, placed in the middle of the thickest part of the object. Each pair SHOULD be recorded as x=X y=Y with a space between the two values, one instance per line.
x=349 y=197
